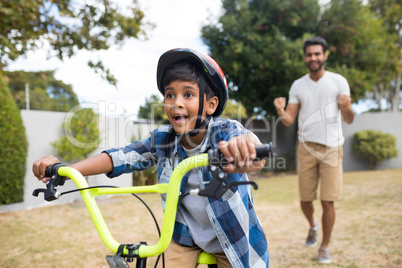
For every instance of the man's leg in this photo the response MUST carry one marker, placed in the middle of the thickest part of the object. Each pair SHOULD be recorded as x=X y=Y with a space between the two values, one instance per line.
x=331 y=176
x=308 y=180
x=308 y=211
x=328 y=221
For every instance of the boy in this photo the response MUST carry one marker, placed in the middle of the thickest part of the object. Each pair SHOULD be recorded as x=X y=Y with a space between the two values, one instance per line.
x=195 y=94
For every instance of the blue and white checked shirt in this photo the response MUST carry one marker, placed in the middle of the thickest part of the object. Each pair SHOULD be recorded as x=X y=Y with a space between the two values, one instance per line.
x=232 y=216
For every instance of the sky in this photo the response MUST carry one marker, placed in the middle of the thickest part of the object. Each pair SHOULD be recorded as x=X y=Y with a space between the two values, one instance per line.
x=178 y=24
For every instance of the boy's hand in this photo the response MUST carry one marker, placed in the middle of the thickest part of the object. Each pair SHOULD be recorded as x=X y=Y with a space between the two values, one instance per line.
x=241 y=151
x=40 y=165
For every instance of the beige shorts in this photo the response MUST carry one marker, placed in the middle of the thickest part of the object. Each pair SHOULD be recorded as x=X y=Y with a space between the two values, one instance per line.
x=180 y=256
x=318 y=164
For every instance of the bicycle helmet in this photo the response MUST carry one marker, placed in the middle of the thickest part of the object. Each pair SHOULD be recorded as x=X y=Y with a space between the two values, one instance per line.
x=208 y=67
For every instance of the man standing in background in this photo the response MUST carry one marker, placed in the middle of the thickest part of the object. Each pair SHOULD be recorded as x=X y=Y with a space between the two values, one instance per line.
x=319 y=98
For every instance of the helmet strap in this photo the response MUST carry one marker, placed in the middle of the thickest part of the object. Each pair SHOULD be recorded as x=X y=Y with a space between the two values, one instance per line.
x=201 y=103
x=198 y=124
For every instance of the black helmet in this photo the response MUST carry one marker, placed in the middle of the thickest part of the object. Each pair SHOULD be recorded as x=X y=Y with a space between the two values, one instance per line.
x=208 y=67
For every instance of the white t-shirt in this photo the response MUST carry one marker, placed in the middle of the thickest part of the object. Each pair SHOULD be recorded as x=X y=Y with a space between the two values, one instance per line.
x=319 y=115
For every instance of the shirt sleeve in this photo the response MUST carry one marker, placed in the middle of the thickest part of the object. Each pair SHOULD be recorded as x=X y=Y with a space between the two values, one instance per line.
x=344 y=88
x=136 y=156
x=292 y=94
x=228 y=129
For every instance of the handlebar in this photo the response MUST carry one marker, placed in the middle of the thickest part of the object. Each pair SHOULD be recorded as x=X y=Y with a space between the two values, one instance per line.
x=216 y=188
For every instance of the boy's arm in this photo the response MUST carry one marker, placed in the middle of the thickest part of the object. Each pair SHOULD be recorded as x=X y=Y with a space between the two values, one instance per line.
x=97 y=164
x=241 y=150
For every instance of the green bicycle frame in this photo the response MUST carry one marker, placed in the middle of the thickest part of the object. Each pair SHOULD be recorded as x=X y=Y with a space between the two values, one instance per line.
x=172 y=189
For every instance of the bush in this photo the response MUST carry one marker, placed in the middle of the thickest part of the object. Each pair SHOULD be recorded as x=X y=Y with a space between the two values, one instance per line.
x=374 y=146
x=146 y=177
x=81 y=136
x=13 y=148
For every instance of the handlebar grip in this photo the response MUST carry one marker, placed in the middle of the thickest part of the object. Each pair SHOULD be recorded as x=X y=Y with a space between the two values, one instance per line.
x=52 y=171
x=51 y=186
x=263 y=151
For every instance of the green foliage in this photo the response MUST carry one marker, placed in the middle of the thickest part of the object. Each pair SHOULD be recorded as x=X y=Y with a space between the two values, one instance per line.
x=45 y=91
x=359 y=47
x=374 y=146
x=67 y=26
x=153 y=109
x=13 y=148
x=81 y=136
x=234 y=110
x=389 y=12
x=258 y=44
x=146 y=177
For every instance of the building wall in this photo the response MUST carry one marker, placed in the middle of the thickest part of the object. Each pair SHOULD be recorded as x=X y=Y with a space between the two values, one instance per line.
x=43 y=127
x=284 y=139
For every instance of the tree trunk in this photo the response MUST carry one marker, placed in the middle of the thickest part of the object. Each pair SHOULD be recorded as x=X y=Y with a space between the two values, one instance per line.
x=378 y=95
x=395 y=99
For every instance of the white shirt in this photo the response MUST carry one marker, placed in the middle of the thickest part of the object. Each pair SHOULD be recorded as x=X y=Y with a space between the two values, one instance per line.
x=319 y=114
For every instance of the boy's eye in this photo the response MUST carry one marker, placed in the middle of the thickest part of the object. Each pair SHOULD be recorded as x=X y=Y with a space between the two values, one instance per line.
x=169 y=95
x=189 y=94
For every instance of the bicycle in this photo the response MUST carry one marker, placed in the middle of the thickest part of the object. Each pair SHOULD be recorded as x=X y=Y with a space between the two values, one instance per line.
x=125 y=253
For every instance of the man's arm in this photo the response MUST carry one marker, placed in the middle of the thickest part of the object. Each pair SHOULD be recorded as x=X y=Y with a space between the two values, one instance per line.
x=289 y=115
x=345 y=104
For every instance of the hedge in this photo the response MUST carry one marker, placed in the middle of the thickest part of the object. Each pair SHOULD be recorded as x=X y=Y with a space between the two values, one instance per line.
x=13 y=148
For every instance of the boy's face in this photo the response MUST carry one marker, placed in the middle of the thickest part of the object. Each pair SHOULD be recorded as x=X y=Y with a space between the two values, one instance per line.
x=181 y=105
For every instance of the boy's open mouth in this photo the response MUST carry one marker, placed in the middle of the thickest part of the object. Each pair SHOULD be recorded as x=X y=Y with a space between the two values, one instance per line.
x=180 y=118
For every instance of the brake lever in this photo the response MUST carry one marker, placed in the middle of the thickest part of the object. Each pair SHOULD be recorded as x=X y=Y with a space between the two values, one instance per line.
x=217 y=188
x=51 y=193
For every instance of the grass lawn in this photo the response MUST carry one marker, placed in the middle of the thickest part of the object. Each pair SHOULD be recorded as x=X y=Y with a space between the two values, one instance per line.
x=367 y=232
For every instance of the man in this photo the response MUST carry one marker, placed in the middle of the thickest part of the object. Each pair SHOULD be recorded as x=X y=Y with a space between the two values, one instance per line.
x=319 y=98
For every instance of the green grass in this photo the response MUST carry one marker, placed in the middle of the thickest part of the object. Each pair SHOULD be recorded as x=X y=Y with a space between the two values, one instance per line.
x=367 y=231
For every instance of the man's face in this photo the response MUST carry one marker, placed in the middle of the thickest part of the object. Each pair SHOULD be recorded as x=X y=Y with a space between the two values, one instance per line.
x=314 y=57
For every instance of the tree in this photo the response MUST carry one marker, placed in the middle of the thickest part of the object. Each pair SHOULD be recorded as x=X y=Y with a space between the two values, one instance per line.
x=67 y=26
x=389 y=12
x=46 y=92
x=153 y=110
x=13 y=148
x=360 y=49
x=81 y=135
x=258 y=45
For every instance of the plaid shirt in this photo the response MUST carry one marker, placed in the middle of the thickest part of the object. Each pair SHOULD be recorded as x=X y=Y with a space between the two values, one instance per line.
x=232 y=216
